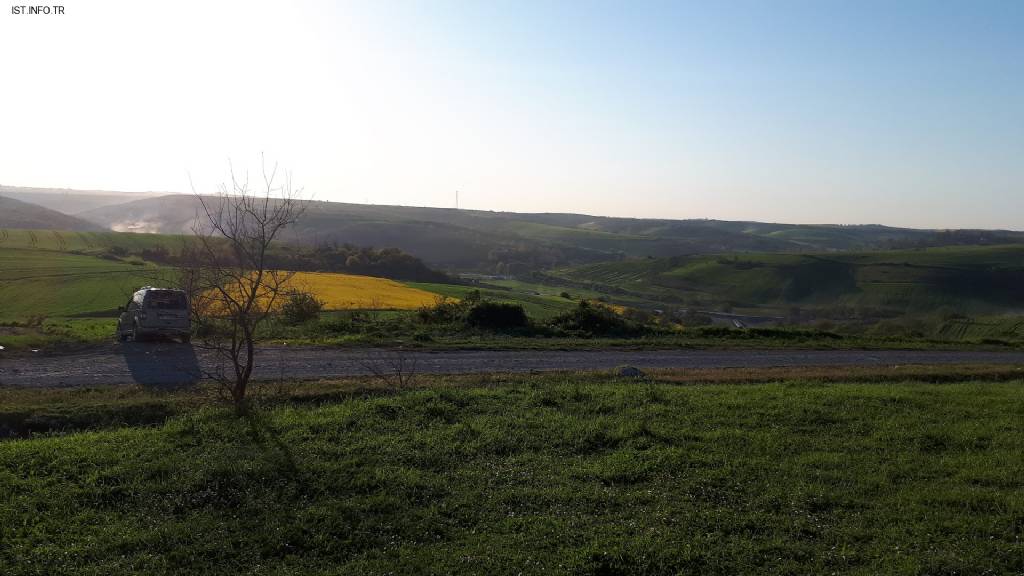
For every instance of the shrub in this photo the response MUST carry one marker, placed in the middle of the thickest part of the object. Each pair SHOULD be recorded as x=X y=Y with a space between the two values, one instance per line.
x=638 y=315
x=566 y=295
x=447 y=311
x=336 y=326
x=694 y=318
x=301 y=307
x=497 y=315
x=443 y=311
x=595 y=320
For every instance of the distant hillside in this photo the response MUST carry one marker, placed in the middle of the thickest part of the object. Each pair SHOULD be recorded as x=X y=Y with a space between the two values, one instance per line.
x=18 y=214
x=971 y=279
x=516 y=243
x=457 y=239
x=72 y=202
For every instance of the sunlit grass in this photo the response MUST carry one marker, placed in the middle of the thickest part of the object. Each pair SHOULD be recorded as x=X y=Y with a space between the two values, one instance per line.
x=493 y=474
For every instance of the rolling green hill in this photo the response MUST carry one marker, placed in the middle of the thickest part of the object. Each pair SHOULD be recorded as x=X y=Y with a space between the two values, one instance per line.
x=482 y=241
x=69 y=284
x=986 y=279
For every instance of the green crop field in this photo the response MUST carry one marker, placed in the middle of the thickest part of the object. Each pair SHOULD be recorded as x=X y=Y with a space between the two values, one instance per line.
x=57 y=274
x=502 y=474
x=47 y=283
x=88 y=242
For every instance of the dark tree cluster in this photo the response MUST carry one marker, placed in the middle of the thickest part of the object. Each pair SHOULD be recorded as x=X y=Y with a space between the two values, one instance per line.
x=522 y=257
x=362 y=260
x=327 y=257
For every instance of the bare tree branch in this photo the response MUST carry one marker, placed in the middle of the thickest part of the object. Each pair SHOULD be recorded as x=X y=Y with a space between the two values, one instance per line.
x=224 y=270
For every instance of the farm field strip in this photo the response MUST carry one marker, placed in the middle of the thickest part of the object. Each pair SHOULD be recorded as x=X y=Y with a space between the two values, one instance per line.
x=50 y=283
x=346 y=291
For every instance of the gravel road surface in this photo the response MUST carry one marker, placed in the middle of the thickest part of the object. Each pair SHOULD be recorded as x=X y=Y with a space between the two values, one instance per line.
x=166 y=364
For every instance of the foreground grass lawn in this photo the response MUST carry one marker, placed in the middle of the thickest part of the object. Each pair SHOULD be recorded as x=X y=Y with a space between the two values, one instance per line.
x=543 y=475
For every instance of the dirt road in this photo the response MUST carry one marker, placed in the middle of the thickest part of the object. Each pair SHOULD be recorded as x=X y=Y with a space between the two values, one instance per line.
x=170 y=364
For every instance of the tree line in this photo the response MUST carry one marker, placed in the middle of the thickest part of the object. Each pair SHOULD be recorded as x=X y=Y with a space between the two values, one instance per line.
x=331 y=257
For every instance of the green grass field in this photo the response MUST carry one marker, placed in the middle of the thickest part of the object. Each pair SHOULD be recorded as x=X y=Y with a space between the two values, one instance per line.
x=50 y=297
x=552 y=474
x=575 y=293
x=57 y=275
x=57 y=284
x=976 y=279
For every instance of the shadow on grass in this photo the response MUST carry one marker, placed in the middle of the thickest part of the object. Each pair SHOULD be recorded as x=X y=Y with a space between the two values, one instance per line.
x=263 y=434
x=162 y=365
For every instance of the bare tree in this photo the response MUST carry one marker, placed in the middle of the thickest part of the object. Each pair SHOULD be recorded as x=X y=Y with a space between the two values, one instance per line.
x=226 y=270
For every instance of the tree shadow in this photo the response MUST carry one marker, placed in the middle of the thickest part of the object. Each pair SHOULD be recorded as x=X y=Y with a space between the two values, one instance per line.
x=162 y=365
x=263 y=434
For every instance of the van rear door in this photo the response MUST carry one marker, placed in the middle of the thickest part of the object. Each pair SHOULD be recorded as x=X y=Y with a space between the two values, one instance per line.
x=166 y=309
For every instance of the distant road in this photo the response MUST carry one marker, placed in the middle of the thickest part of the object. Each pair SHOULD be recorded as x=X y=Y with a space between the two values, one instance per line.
x=169 y=364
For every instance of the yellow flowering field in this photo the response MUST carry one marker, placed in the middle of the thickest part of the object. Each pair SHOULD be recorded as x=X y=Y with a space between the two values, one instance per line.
x=345 y=291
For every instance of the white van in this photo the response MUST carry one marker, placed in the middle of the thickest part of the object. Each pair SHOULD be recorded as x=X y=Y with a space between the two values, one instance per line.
x=155 y=312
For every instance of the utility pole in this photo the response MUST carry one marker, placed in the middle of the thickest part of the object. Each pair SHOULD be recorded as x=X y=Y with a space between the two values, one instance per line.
x=456 y=199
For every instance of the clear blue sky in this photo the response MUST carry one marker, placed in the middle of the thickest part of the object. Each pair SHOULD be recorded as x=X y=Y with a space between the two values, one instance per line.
x=902 y=113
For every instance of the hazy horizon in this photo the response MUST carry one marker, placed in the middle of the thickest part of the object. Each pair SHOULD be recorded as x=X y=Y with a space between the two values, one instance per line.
x=908 y=114
x=155 y=193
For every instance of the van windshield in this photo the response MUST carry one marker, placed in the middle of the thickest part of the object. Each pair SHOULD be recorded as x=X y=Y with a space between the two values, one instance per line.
x=165 y=300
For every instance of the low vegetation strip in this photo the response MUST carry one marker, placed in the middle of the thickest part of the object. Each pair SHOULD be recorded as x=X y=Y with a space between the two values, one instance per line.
x=579 y=474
